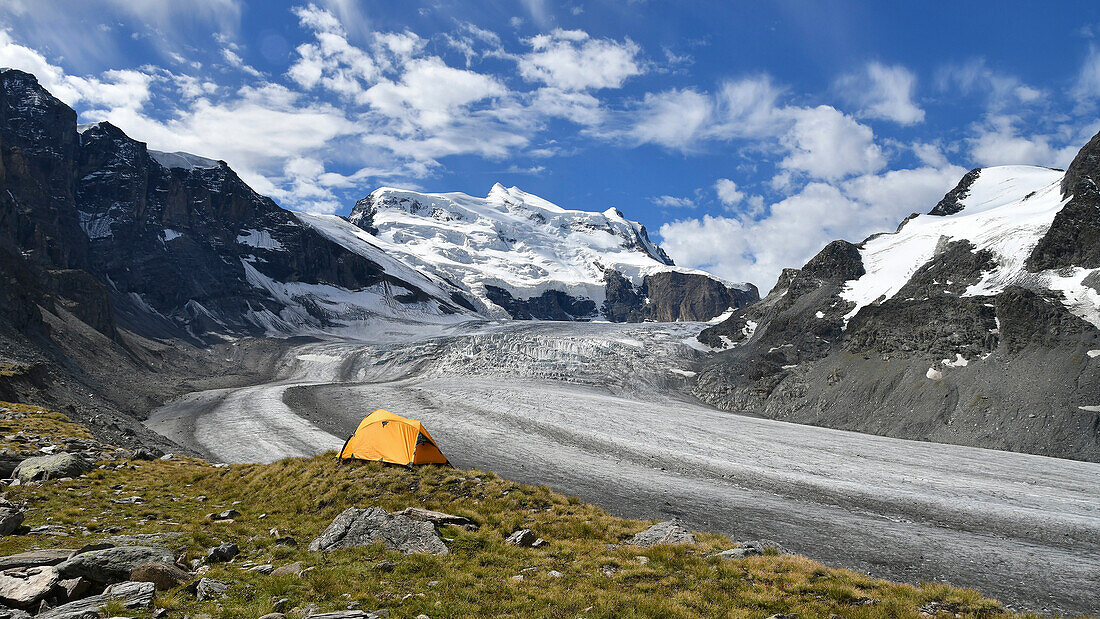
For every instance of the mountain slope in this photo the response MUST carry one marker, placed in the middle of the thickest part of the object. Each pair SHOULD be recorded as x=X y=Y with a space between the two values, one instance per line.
x=521 y=256
x=974 y=324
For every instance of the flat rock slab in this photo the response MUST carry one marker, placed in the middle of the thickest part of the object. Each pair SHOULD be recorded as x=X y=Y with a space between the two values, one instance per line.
x=113 y=564
x=51 y=467
x=210 y=589
x=439 y=519
x=23 y=586
x=667 y=532
x=362 y=527
x=35 y=558
x=133 y=595
x=164 y=576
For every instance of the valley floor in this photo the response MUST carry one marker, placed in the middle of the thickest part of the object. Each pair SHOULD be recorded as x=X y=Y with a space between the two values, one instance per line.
x=592 y=410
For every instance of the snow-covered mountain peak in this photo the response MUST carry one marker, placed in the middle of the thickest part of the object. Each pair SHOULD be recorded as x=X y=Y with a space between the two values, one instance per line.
x=513 y=241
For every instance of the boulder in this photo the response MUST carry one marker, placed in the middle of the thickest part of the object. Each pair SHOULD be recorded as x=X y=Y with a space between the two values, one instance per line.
x=11 y=516
x=438 y=519
x=290 y=569
x=229 y=514
x=51 y=467
x=222 y=553
x=164 y=576
x=113 y=564
x=73 y=588
x=34 y=558
x=210 y=589
x=748 y=549
x=132 y=595
x=25 y=586
x=525 y=538
x=14 y=613
x=667 y=532
x=363 y=527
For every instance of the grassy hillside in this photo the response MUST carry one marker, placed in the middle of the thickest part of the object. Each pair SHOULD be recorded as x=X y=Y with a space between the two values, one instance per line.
x=482 y=576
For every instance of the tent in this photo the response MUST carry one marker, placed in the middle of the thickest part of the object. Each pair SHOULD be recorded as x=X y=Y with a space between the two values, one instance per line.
x=391 y=438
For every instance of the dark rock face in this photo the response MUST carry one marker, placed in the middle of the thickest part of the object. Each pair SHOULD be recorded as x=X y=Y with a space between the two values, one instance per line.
x=1074 y=236
x=1029 y=320
x=671 y=296
x=839 y=260
x=550 y=305
x=93 y=224
x=939 y=326
x=1084 y=167
x=950 y=205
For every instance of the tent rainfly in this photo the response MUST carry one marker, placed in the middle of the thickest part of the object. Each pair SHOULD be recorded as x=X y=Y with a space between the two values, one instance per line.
x=386 y=437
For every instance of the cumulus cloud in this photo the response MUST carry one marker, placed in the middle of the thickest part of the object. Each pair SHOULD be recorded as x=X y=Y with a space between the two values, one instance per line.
x=825 y=143
x=571 y=60
x=883 y=92
x=727 y=191
x=998 y=141
x=975 y=77
x=673 y=118
x=791 y=230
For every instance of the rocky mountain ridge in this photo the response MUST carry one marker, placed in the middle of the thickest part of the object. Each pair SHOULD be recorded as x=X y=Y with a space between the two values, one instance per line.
x=973 y=324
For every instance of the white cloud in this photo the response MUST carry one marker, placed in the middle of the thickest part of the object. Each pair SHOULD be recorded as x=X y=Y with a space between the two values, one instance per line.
x=673 y=202
x=884 y=92
x=825 y=143
x=571 y=60
x=1087 y=87
x=757 y=247
x=998 y=141
x=728 y=193
x=673 y=118
x=235 y=61
x=974 y=77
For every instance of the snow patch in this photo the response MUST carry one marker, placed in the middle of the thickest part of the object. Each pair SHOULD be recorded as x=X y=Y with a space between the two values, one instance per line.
x=1094 y=353
x=820 y=314
x=259 y=238
x=170 y=234
x=934 y=374
x=186 y=161
x=1091 y=409
x=959 y=362
x=96 y=225
x=687 y=373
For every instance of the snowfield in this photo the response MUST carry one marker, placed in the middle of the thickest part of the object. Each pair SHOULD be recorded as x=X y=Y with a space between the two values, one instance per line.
x=592 y=409
x=1007 y=210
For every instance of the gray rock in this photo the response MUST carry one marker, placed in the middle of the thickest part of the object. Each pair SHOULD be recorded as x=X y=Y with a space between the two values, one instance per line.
x=228 y=514
x=344 y=614
x=266 y=568
x=273 y=616
x=14 y=613
x=524 y=538
x=362 y=527
x=164 y=576
x=74 y=588
x=222 y=553
x=133 y=595
x=438 y=519
x=748 y=549
x=210 y=589
x=24 y=587
x=34 y=558
x=290 y=569
x=11 y=516
x=113 y=564
x=667 y=532
x=51 y=467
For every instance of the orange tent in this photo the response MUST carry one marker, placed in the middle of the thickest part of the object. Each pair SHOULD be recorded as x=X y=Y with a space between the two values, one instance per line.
x=386 y=437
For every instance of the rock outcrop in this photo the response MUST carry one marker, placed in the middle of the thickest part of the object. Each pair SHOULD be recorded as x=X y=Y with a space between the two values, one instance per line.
x=362 y=527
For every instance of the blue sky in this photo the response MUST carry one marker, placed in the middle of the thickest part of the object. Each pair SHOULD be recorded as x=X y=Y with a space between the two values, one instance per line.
x=745 y=135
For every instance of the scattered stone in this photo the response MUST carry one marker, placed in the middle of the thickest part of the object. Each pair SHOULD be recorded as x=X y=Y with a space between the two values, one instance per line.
x=385 y=567
x=362 y=527
x=280 y=605
x=667 y=532
x=210 y=589
x=163 y=575
x=130 y=500
x=343 y=614
x=286 y=541
x=143 y=454
x=642 y=559
x=132 y=595
x=50 y=529
x=113 y=564
x=273 y=616
x=51 y=467
x=229 y=514
x=554 y=574
x=11 y=516
x=35 y=558
x=24 y=587
x=266 y=568
x=439 y=519
x=290 y=569
x=222 y=553
x=785 y=616
x=525 y=538
x=518 y=578
x=747 y=549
